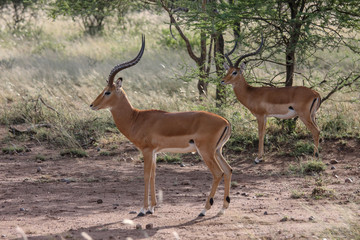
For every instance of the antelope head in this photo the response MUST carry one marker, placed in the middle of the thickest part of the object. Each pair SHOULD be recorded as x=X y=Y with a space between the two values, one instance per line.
x=112 y=90
x=233 y=70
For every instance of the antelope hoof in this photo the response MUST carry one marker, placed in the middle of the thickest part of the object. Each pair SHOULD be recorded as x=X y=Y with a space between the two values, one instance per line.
x=202 y=214
x=258 y=160
x=151 y=210
x=141 y=213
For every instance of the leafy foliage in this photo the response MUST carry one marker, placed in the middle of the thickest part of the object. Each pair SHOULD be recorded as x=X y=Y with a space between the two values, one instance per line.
x=92 y=13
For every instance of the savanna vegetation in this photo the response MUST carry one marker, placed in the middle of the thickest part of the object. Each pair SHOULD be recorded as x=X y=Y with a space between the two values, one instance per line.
x=55 y=57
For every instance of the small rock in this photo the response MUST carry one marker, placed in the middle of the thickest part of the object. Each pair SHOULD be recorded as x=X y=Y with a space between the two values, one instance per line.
x=132 y=212
x=332 y=167
x=244 y=194
x=22 y=209
x=348 y=180
x=99 y=201
x=311 y=218
x=336 y=176
x=334 y=161
x=129 y=159
x=182 y=165
x=38 y=169
x=265 y=213
x=138 y=226
x=98 y=149
x=284 y=219
x=149 y=226
x=3 y=236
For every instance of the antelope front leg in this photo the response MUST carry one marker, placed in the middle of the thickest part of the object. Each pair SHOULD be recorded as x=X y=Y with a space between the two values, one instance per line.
x=151 y=210
x=148 y=163
x=261 y=128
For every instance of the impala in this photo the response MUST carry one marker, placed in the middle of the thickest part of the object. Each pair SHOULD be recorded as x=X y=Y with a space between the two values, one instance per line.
x=263 y=102
x=154 y=131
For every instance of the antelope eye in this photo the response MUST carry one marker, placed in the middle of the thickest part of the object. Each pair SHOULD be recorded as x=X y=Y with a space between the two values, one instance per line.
x=107 y=93
x=234 y=73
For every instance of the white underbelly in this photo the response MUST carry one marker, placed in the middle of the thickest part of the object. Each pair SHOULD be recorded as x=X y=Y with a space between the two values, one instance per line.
x=290 y=114
x=190 y=148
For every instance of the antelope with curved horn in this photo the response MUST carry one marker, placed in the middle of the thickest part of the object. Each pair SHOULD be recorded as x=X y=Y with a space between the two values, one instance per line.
x=263 y=102
x=154 y=131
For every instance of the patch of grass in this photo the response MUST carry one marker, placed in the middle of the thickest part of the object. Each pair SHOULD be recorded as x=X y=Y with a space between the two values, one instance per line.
x=313 y=166
x=234 y=184
x=336 y=126
x=352 y=231
x=296 y=194
x=40 y=157
x=13 y=150
x=320 y=192
x=303 y=148
x=240 y=143
x=74 y=152
x=308 y=168
x=167 y=158
x=106 y=153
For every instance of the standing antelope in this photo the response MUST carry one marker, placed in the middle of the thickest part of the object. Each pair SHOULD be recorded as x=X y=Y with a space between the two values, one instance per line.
x=263 y=102
x=154 y=131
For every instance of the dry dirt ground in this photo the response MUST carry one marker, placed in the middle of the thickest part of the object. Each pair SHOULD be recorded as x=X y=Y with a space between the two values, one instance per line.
x=62 y=197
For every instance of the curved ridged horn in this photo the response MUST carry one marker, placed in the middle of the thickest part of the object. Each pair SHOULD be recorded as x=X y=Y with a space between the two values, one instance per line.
x=122 y=66
x=250 y=54
x=229 y=53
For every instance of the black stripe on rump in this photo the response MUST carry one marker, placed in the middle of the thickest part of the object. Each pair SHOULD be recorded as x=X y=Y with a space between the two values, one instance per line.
x=222 y=135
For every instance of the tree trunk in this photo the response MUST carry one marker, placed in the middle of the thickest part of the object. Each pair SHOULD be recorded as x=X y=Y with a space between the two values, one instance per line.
x=290 y=65
x=219 y=62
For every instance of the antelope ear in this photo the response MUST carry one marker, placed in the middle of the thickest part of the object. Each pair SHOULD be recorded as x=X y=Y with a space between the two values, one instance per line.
x=118 y=83
x=243 y=66
x=226 y=66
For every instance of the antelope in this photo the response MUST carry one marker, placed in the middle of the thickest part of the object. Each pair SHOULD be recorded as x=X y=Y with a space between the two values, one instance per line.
x=154 y=131
x=263 y=102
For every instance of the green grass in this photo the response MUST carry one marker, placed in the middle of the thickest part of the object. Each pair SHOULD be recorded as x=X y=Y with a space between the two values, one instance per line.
x=40 y=157
x=321 y=192
x=169 y=158
x=302 y=148
x=74 y=153
x=308 y=168
x=106 y=153
x=13 y=149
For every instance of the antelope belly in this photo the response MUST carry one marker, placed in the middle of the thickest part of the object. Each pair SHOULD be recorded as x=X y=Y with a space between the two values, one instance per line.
x=290 y=114
x=190 y=148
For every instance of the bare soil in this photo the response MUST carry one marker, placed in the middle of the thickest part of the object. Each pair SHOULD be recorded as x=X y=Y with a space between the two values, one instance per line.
x=60 y=197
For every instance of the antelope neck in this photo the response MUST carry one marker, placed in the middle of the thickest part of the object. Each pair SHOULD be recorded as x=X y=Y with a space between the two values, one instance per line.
x=241 y=89
x=123 y=114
